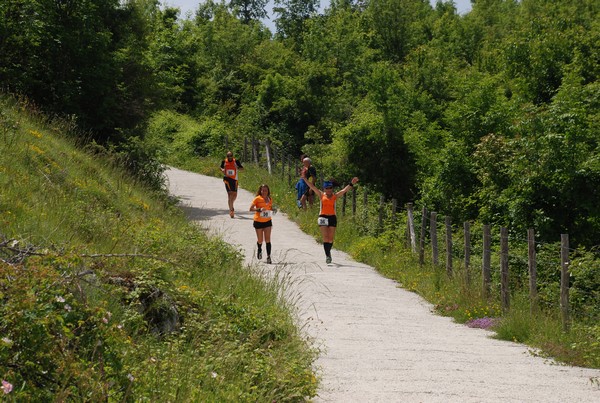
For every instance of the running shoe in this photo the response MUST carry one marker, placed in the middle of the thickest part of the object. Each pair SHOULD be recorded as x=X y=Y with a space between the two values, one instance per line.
x=259 y=254
x=328 y=259
x=269 y=259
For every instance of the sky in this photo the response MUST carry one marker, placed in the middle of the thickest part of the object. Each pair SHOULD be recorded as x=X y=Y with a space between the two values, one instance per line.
x=462 y=6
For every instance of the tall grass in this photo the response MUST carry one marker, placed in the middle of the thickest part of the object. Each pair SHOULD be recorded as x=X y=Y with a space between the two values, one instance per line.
x=108 y=293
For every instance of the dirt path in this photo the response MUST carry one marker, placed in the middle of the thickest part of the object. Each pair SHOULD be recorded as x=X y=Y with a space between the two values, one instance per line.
x=379 y=342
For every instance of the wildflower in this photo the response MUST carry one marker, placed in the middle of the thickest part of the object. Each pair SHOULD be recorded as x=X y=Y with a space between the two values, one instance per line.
x=106 y=318
x=36 y=149
x=68 y=308
x=6 y=340
x=6 y=387
x=59 y=299
x=214 y=374
x=130 y=377
x=482 y=323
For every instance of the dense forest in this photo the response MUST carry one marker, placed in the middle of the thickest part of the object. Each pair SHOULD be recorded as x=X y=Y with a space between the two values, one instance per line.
x=491 y=116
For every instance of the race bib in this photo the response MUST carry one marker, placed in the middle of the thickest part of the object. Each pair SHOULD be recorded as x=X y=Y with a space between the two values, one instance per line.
x=323 y=221
x=266 y=214
x=230 y=172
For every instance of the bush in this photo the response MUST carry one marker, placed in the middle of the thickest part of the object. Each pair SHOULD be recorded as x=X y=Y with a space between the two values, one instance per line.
x=584 y=294
x=55 y=346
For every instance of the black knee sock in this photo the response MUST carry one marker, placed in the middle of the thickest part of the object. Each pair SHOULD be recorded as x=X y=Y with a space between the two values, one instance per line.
x=268 y=248
x=327 y=246
x=259 y=246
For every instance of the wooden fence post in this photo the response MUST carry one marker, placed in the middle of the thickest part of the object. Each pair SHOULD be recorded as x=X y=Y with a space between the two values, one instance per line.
x=564 y=281
x=365 y=201
x=467 y=230
x=486 y=261
x=504 y=285
x=381 y=206
x=268 y=153
x=289 y=158
x=353 y=201
x=433 y=236
x=532 y=264
x=448 y=224
x=422 y=237
x=411 y=227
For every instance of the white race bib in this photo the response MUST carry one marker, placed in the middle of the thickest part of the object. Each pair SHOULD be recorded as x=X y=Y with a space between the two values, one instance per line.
x=266 y=214
x=230 y=172
x=323 y=221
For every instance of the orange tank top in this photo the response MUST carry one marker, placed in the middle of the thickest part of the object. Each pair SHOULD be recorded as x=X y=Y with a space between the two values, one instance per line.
x=328 y=204
x=230 y=169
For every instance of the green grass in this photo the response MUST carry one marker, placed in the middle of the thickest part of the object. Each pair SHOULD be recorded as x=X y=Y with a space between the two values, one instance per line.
x=108 y=293
x=454 y=297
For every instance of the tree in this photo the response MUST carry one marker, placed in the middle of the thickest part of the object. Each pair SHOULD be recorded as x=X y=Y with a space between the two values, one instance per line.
x=249 y=9
x=292 y=15
x=81 y=59
x=398 y=25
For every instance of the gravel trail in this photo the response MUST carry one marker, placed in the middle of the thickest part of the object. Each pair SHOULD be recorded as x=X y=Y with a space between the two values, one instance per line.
x=379 y=342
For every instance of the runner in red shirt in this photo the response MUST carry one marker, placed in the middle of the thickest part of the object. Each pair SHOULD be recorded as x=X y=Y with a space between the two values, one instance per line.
x=230 y=167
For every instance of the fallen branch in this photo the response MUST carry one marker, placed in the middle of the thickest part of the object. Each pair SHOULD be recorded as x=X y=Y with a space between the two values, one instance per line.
x=21 y=253
x=97 y=255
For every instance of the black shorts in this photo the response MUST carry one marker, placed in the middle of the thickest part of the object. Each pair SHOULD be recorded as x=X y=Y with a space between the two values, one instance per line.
x=230 y=184
x=261 y=225
x=331 y=220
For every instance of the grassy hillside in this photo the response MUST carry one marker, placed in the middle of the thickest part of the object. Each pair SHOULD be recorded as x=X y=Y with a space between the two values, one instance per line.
x=108 y=293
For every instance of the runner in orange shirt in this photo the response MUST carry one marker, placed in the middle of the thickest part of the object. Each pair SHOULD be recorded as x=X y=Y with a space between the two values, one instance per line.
x=327 y=215
x=262 y=205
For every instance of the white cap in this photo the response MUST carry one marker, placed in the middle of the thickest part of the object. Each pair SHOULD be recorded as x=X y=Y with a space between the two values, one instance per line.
x=306 y=160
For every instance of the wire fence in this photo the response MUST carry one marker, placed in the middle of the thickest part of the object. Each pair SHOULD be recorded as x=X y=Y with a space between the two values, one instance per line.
x=471 y=250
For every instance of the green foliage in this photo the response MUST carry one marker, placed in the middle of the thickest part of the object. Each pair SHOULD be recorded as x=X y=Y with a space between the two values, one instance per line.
x=55 y=344
x=489 y=116
x=398 y=25
x=249 y=10
x=78 y=59
x=584 y=296
x=177 y=138
x=456 y=109
x=109 y=293
x=291 y=17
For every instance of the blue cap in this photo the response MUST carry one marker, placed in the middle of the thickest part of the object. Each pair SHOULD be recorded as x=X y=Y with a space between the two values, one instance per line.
x=327 y=184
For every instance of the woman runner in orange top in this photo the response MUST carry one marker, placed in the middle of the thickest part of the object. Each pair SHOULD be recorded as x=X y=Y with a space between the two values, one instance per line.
x=327 y=218
x=262 y=205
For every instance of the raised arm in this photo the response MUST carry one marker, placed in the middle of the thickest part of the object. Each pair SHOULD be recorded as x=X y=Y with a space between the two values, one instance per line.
x=349 y=186
x=311 y=185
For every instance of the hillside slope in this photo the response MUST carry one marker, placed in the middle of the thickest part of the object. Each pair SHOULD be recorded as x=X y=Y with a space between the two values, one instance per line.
x=108 y=293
